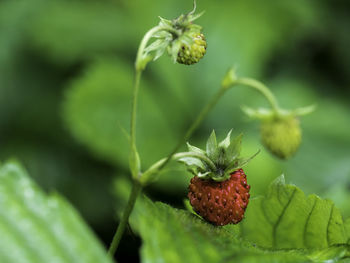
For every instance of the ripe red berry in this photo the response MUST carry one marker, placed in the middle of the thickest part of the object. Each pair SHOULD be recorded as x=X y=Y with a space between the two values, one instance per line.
x=220 y=203
x=218 y=191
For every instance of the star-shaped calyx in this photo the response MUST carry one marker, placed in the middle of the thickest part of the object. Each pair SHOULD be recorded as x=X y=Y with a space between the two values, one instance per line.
x=218 y=161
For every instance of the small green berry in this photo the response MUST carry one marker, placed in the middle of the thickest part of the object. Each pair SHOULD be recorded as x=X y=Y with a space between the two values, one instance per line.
x=191 y=54
x=281 y=137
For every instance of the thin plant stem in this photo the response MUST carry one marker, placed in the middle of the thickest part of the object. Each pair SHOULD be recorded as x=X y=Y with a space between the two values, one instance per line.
x=136 y=189
x=134 y=108
x=262 y=89
x=140 y=65
x=207 y=108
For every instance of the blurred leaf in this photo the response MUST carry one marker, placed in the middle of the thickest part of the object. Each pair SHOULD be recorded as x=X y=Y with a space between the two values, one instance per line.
x=285 y=218
x=172 y=235
x=74 y=30
x=340 y=194
x=39 y=228
x=98 y=103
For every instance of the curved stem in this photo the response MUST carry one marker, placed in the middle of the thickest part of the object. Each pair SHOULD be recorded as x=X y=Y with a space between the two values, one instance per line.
x=140 y=65
x=136 y=189
x=262 y=89
x=141 y=61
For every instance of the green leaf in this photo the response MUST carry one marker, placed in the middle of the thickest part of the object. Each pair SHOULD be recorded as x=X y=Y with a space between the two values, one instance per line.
x=98 y=102
x=36 y=227
x=172 y=235
x=212 y=146
x=347 y=229
x=285 y=218
x=88 y=29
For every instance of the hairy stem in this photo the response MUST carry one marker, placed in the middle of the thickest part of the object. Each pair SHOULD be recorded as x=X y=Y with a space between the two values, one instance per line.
x=261 y=88
x=136 y=189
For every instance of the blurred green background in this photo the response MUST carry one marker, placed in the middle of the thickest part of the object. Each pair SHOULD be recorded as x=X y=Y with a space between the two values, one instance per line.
x=66 y=70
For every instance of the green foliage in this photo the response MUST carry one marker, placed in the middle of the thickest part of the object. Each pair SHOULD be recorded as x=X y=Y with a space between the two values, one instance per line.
x=285 y=218
x=39 y=228
x=172 y=235
x=95 y=111
x=88 y=28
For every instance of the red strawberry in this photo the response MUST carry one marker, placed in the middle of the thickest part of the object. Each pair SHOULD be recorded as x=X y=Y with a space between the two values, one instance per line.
x=219 y=191
x=220 y=203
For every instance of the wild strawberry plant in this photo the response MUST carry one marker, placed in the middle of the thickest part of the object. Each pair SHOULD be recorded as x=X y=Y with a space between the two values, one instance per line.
x=221 y=224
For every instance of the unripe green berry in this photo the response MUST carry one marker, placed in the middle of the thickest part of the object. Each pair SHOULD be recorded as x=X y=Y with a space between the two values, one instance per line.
x=281 y=137
x=191 y=54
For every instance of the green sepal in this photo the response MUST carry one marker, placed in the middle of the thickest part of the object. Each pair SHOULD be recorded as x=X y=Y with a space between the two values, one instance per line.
x=195 y=149
x=260 y=113
x=226 y=142
x=212 y=146
x=240 y=163
x=219 y=160
x=194 y=165
x=304 y=110
x=234 y=149
x=265 y=113
x=164 y=22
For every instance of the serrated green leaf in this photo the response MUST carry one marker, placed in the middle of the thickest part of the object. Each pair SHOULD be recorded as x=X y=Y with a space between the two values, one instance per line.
x=38 y=228
x=211 y=147
x=172 y=235
x=285 y=218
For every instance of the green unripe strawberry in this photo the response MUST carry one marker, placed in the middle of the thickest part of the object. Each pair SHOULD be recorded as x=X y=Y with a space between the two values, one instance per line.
x=281 y=136
x=191 y=54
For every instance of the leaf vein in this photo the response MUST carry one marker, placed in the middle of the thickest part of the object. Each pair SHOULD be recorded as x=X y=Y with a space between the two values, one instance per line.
x=280 y=218
x=329 y=221
x=307 y=222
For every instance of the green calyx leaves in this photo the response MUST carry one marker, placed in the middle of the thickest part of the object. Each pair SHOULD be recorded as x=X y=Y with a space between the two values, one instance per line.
x=173 y=36
x=218 y=161
x=280 y=129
